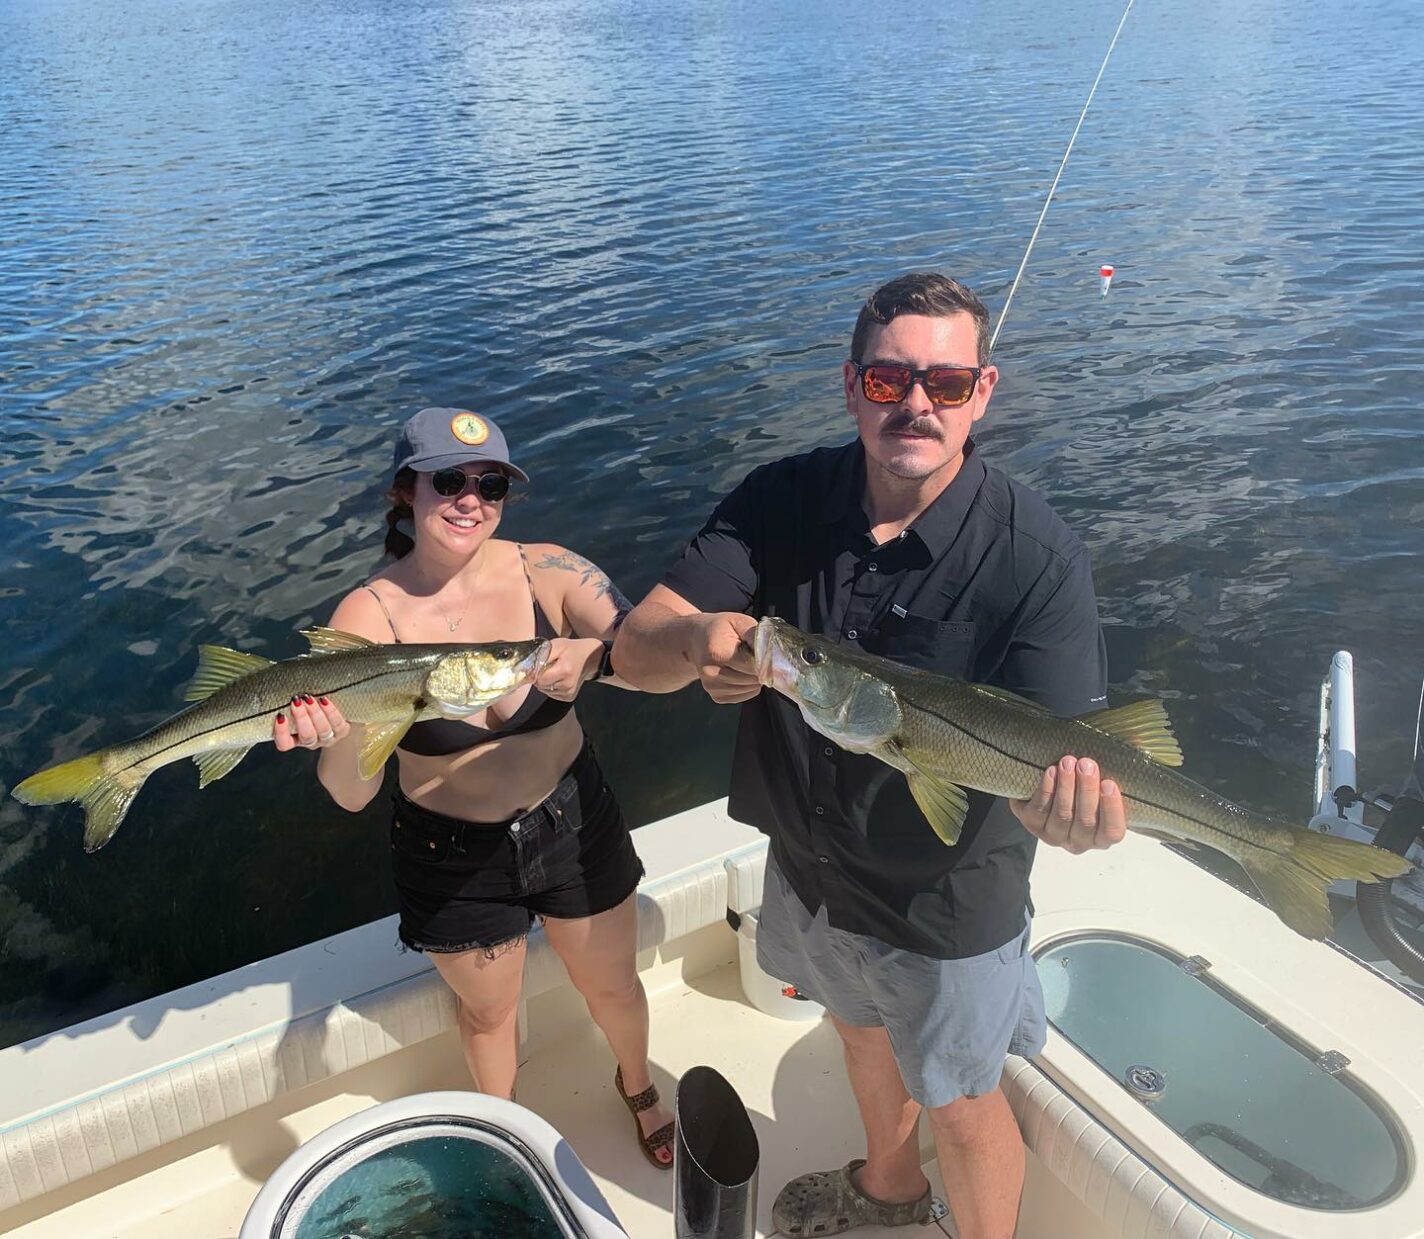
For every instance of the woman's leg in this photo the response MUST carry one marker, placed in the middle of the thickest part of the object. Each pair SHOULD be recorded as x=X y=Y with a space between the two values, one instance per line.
x=486 y=984
x=600 y=954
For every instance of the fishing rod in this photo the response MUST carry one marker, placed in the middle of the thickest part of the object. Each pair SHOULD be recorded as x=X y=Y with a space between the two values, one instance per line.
x=1013 y=288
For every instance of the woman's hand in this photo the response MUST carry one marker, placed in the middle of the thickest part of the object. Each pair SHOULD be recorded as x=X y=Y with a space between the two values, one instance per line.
x=573 y=661
x=310 y=723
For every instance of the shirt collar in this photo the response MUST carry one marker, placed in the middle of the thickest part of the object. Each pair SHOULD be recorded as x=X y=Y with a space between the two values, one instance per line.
x=936 y=526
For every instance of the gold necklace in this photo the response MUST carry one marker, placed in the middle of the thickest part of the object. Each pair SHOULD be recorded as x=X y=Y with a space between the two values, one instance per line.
x=451 y=624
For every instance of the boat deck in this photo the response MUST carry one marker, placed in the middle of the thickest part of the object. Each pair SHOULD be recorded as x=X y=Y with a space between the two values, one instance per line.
x=789 y=1075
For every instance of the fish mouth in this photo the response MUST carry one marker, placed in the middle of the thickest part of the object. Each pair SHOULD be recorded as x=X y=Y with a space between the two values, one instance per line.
x=762 y=649
x=539 y=659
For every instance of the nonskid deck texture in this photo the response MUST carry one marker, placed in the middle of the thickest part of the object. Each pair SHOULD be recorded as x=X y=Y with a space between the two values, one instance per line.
x=344 y=1023
x=789 y=1076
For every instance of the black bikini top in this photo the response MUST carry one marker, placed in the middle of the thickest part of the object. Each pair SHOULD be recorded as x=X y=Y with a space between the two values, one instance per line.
x=439 y=737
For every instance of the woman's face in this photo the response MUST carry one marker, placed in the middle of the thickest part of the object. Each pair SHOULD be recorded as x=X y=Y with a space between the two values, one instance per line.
x=461 y=522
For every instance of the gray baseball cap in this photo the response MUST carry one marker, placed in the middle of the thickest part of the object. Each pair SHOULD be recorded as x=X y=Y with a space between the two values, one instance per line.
x=438 y=438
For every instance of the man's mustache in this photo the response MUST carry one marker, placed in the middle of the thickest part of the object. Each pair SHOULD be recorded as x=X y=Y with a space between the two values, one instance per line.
x=914 y=426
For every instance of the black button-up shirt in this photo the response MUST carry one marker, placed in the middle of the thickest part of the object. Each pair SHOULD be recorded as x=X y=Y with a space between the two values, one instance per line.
x=986 y=584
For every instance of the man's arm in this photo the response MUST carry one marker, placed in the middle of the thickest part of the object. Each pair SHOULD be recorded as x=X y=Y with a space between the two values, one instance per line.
x=666 y=643
x=694 y=624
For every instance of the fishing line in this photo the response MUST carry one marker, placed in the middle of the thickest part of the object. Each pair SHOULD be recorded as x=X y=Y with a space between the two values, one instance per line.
x=1013 y=288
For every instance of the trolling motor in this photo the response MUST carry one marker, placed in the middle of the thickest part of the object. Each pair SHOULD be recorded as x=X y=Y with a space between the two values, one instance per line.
x=715 y=1160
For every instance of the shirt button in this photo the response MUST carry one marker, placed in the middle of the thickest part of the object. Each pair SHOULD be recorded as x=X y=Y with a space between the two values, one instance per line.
x=829 y=751
x=820 y=812
x=873 y=568
x=851 y=634
x=825 y=860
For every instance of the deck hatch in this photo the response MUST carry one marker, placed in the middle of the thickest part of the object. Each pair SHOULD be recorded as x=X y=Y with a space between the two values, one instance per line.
x=1254 y=1100
x=434 y=1177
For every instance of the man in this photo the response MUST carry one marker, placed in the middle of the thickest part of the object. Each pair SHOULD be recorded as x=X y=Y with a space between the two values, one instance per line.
x=905 y=544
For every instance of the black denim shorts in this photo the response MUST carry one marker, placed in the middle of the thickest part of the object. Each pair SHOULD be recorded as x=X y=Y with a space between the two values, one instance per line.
x=479 y=885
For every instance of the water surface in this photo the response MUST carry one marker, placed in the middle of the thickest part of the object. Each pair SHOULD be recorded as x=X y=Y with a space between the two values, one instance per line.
x=243 y=242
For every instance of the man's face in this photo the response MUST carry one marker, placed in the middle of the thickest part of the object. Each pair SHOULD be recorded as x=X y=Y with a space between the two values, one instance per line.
x=915 y=438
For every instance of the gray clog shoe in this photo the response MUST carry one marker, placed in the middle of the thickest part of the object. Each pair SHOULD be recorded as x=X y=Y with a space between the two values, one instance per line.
x=827 y=1202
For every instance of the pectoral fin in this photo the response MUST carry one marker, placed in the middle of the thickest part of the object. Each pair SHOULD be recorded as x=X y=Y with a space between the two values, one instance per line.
x=215 y=763
x=943 y=803
x=379 y=742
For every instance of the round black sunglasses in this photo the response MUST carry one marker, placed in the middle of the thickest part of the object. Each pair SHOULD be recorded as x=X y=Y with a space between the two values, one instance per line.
x=447 y=483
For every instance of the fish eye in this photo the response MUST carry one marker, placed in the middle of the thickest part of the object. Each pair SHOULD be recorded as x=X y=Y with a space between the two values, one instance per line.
x=504 y=651
x=812 y=656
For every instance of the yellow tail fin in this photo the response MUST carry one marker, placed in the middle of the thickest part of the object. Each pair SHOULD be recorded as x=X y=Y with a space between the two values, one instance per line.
x=1294 y=882
x=106 y=797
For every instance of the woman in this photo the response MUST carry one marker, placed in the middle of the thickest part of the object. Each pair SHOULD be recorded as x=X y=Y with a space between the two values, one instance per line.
x=504 y=816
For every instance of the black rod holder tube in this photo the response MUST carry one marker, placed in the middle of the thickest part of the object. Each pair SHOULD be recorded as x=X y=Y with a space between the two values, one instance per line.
x=714 y=1160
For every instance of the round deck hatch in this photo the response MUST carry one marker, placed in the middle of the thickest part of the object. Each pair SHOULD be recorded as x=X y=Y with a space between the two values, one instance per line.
x=433 y=1166
x=424 y=1181
x=1282 y=1117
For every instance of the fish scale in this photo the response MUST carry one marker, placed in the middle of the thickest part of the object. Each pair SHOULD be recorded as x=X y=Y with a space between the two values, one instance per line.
x=946 y=735
x=974 y=761
x=384 y=688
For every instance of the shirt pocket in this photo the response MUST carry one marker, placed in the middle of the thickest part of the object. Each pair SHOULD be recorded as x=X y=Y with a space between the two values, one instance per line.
x=943 y=646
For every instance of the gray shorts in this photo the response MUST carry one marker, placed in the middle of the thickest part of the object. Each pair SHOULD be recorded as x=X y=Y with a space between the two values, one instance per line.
x=951 y=1021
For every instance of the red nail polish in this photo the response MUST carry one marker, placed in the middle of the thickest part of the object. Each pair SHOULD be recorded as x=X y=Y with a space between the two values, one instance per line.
x=325 y=702
x=281 y=721
x=309 y=699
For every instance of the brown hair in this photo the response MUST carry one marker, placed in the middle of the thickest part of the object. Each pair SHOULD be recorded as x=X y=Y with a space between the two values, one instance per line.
x=398 y=543
x=921 y=292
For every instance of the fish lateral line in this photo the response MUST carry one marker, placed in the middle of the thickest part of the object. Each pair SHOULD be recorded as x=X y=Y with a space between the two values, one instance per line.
x=209 y=702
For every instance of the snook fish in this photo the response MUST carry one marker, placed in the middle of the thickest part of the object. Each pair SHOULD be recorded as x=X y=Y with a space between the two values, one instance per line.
x=384 y=687
x=945 y=735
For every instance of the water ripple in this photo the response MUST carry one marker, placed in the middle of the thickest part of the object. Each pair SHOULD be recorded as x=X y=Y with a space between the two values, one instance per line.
x=242 y=244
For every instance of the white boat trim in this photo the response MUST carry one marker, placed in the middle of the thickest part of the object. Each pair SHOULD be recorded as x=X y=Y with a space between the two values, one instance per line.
x=374 y=1023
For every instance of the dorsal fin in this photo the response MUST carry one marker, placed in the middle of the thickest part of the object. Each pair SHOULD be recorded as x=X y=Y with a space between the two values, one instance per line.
x=218 y=667
x=333 y=640
x=1144 y=725
x=1005 y=695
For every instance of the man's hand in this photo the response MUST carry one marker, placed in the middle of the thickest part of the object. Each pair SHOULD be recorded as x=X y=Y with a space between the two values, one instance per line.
x=717 y=647
x=1074 y=807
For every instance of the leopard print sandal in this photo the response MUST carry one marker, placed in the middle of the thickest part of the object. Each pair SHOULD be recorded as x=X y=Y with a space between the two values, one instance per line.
x=656 y=1140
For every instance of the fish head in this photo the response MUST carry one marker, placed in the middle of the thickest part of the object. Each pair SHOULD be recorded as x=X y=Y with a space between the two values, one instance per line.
x=837 y=698
x=469 y=679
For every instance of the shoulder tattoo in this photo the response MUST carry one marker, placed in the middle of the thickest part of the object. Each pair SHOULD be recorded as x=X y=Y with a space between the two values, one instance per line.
x=589 y=574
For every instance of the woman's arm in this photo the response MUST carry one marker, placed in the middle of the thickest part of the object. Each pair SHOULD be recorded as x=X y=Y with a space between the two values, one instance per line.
x=321 y=725
x=591 y=608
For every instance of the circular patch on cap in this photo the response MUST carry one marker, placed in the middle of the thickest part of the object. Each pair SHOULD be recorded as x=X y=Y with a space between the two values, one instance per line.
x=469 y=429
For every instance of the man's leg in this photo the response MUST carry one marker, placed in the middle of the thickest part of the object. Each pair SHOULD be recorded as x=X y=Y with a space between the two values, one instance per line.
x=889 y=1116
x=981 y=1156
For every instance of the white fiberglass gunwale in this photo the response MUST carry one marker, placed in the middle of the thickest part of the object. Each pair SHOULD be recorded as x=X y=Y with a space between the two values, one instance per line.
x=314 y=1035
